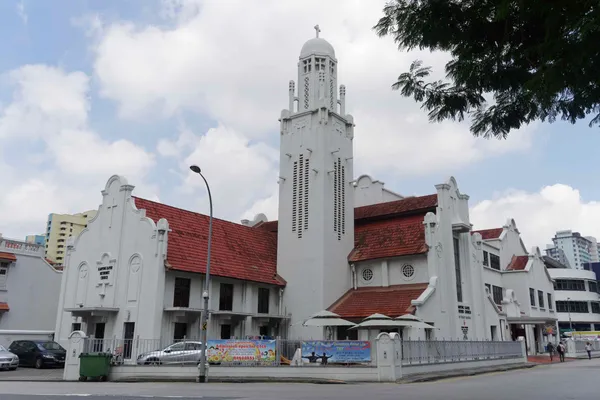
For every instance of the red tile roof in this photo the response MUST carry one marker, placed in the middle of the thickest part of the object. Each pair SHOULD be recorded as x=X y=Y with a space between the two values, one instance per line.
x=518 y=263
x=7 y=256
x=420 y=204
x=4 y=307
x=238 y=251
x=389 y=238
x=487 y=234
x=270 y=226
x=392 y=301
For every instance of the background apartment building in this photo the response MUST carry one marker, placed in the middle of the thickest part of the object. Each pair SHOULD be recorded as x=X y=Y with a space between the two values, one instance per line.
x=59 y=228
x=572 y=249
x=36 y=239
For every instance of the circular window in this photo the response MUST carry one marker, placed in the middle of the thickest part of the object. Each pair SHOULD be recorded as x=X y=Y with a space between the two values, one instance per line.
x=367 y=274
x=408 y=271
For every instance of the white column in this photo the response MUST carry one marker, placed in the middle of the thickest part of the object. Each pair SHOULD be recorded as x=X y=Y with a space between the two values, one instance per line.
x=385 y=275
x=389 y=358
x=74 y=349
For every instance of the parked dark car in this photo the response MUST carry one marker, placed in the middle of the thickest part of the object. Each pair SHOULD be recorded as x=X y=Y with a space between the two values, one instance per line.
x=38 y=353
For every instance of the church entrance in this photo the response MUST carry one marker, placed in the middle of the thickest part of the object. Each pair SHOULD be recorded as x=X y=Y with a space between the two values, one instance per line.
x=180 y=331
x=99 y=336
x=128 y=330
x=343 y=333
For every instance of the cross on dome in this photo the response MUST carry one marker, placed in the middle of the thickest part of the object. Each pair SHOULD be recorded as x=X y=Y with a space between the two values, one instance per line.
x=317 y=46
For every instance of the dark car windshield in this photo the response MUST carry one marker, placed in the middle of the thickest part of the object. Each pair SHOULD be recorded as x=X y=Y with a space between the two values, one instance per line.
x=49 y=346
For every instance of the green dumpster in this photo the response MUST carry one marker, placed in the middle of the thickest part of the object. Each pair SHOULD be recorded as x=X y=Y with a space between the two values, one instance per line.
x=94 y=365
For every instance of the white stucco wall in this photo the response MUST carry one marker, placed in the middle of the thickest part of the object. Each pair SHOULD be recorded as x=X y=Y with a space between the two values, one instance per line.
x=510 y=243
x=121 y=237
x=536 y=278
x=577 y=295
x=439 y=304
x=368 y=191
x=387 y=272
x=312 y=258
x=32 y=290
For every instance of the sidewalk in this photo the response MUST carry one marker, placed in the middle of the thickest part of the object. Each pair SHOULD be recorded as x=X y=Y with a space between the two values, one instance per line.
x=33 y=375
x=436 y=376
x=545 y=359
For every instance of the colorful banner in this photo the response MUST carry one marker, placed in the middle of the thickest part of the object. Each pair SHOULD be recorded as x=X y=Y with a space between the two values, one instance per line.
x=336 y=351
x=241 y=351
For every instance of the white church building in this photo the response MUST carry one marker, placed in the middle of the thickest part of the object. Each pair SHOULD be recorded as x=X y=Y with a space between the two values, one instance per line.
x=346 y=245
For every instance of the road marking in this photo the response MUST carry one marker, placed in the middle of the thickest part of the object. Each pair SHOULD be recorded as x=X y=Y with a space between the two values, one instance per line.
x=146 y=396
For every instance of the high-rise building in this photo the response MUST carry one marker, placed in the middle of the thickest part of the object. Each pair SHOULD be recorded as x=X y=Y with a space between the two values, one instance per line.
x=59 y=228
x=36 y=239
x=594 y=252
x=572 y=249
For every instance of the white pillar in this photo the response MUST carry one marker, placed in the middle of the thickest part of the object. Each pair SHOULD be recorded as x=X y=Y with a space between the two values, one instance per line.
x=389 y=357
x=75 y=348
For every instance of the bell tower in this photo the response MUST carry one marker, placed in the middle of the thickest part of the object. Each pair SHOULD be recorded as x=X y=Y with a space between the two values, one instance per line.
x=316 y=201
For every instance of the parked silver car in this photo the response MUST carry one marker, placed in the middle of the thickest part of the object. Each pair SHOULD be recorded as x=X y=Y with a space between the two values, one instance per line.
x=8 y=360
x=186 y=352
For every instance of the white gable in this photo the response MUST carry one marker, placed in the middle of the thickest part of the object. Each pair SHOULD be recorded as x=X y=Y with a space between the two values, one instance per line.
x=115 y=264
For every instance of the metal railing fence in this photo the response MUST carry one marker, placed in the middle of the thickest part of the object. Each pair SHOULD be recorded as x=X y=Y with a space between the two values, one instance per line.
x=580 y=345
x=442 y=351
x=158 y=352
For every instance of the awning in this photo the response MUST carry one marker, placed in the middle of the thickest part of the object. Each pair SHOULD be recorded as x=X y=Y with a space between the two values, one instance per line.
x=91 y=311
x=414 y=322
x=184 y=310
x=379 y=321
x=10 y=257
x=326 y=318
x=4 y=307
x=530 y=320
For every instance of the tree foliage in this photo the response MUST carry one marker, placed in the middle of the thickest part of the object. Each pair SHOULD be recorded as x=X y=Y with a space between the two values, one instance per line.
x=539 y=59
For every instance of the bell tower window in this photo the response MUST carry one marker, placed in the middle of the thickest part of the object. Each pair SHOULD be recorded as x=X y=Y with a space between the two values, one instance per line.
x=339 y=198
x=300 y=195
x=307 y=66
x=320 y=64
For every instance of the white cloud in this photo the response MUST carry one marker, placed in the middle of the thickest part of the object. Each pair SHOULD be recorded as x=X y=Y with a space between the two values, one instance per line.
x=83 y=153
x=196 y=63
x=239 y=172
x=71 y=163
x=539 y=215
x=239 y=76
x=21 y=12
x=45 y=100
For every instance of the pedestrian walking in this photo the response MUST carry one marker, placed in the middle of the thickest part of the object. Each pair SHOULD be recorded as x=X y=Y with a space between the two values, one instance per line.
x=588 y=348
x=550 y=349
x=560 y=349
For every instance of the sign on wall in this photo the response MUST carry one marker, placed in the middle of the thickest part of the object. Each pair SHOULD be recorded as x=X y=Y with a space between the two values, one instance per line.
x=232 y=351
x=337 y=351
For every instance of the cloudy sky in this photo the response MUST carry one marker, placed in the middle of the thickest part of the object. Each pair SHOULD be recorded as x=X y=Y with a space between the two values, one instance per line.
x=144 y=88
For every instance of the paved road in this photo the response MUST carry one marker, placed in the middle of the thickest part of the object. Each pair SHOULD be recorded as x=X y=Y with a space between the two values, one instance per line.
x=25 y=374
x=575 y=380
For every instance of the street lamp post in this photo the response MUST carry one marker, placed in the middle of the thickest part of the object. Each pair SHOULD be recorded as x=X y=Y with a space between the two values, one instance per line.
x=204 y=318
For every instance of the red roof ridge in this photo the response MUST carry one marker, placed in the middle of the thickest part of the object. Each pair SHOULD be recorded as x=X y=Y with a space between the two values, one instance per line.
x=370 y=300
x=380 y=211
x=397 y=207
x=189 y=211
x=391 y=237
x=7 y=256
x=489 y=234
x=518 y=263
x=238 y=251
